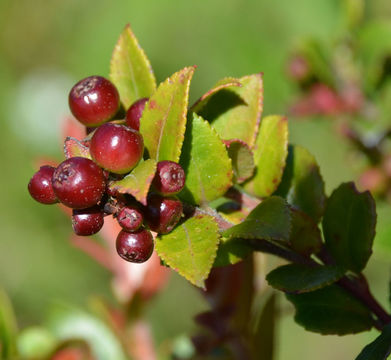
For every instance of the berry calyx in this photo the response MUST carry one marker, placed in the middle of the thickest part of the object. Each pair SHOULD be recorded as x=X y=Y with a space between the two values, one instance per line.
x=169 y=178
x=130 y=218
x=116 y=148
x=87 y=222
x=162 y=214
x=134 y=113
x=78 y=183
x=135 y=247
x=40 y=186
x=94 y=100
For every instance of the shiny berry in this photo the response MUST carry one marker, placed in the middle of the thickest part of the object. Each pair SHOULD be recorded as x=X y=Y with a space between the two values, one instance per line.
x=169 y=178
x=130 y=218
x=135 y=247
x=94 y=100
x=78 y=183
x=116 y=148
x=40 y=185
x=87 y=222
x=162 y=214
x=134 y=113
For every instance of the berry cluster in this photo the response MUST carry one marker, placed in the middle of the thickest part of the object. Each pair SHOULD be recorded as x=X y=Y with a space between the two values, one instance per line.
x=115 y=149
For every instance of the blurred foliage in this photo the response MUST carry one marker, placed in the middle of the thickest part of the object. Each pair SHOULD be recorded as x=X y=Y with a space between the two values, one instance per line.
x=72 y=39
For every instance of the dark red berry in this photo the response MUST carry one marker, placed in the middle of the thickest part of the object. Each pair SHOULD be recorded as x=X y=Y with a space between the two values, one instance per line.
x=162 y=214
x=40 y=185
x=134 y=113
x=169 y=178
x=135 y=247
x=130 y=218
x=78 y=183
x=116 y=148
x=94 y=100
x=87 y=222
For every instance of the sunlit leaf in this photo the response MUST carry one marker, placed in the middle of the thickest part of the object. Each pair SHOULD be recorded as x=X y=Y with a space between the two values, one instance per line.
x=242 y=159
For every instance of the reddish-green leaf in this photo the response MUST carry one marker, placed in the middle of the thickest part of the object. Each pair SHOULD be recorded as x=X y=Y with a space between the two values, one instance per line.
x=349 y=226
x=242 y=159
x=302 y=184
x=270 y=153
x=74 y=147
x=270 y=220
x=206 y=163
x=235 y=112
x=130 y=70
x=331 y=310
x=138 y=182
x=222 y=84
x=297 y=278
x=190 y=248
x=163 y=121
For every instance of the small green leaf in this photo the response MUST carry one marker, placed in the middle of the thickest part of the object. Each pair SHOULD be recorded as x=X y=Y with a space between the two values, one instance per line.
x=331 y=310
x=190 y=248
x=206 y=163
x=270 y=152
x=8 y=328
x=263 y=340
x=302 y=184
x=349 y=226
x=130 y=70
x=74 y=147
x=222 y=84
x=270 y=220
x=138 y=182
x=242 y=159
x=235 y=112
x=297 y=279
x=68 y=323
x=305 y=237
x=163 y=121
x=231 y=251
x=380 y=348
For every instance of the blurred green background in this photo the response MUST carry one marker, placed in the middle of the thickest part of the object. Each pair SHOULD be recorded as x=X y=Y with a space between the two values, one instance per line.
x=45 y=46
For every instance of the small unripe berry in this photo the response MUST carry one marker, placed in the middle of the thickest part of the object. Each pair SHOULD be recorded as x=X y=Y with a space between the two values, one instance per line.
x=94 y=100
x=162 y=214
x=169 y=178
x=116 y=148
x=130 y=218
x=40 y=185
x=134 y=113
x=78 y=183
x=87 y=222
x=135 y=247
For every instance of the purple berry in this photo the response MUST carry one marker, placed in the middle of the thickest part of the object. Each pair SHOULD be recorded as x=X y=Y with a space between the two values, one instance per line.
x=40 y=185
x=130 y=218
x=134 y=113
x=87 y=222
x=170 y=178
x=135 y=247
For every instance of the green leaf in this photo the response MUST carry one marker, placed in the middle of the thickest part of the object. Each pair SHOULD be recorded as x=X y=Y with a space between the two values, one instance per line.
x=206 y=163
x=270 y=152
x=163 y=121
x=74 y=147
x=270 y=220
x=263 y=340
x=302 y=184
x=138 y=182
x=349 y=226
x=36 y=342
x=130 y=70
x=231 y=251
x=68 y=323
x=190 y=248
x=242 y=159
x=222 y=84
x=297 y=279
x=305 y=237
x=331 y=310
x=8 y=328
x=380 y=348
x=235 y=112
